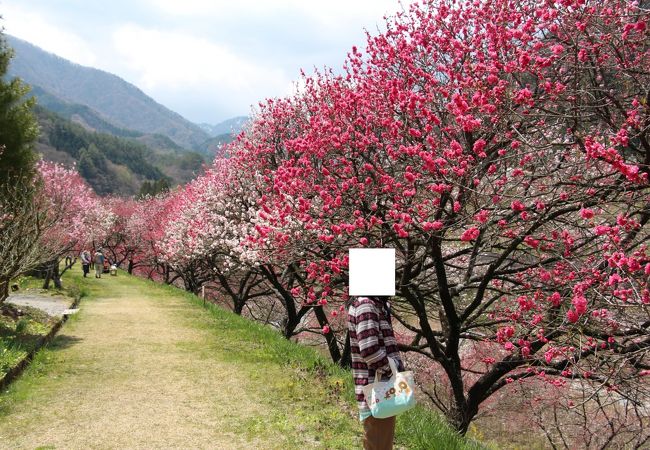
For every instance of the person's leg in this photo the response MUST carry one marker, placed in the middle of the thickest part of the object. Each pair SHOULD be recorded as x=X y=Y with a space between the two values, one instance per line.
x=378 y=433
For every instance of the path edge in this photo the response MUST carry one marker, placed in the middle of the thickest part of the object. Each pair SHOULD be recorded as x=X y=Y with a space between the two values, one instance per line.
x=19 y=368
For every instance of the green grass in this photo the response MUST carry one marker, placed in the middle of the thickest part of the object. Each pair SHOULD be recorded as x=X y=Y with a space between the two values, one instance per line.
x=308 y=399
x=20 y=336
x=320 y=380
x=304 y=400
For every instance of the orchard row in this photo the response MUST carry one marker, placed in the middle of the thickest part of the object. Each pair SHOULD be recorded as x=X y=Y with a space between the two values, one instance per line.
x=501 y=147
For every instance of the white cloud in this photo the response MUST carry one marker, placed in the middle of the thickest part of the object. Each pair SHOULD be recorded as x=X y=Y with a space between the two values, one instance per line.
x=33 y=28
x=206 y=59
x=327 y=18
x=329 y=12
x=171 y=61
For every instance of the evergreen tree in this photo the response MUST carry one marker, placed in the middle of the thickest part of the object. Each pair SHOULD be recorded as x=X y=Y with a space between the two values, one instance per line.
x=93 y=167
x=154 y=188
x=18 y=128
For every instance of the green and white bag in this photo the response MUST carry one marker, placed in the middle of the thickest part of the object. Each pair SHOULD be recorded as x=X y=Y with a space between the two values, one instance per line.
x=392 y=397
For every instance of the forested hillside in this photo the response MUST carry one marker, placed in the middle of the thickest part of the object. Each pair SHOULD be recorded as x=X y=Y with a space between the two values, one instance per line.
x=214 y=146
x=78 y=113
x=113 y=164
x=119 y=103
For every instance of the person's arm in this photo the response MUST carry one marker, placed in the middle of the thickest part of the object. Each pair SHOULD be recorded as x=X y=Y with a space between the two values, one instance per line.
x=368 y=332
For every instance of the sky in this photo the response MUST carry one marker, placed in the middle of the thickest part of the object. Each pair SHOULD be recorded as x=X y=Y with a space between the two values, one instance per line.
x=208 y=60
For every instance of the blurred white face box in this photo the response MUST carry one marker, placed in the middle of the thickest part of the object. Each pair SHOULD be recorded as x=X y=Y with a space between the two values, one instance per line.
x=372 y=271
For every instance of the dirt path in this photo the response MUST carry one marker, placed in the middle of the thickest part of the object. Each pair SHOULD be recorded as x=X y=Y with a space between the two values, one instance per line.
x=128 y=372
x=51 y=305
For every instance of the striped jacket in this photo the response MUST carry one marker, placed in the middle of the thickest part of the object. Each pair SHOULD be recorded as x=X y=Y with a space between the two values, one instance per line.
x=371 y=343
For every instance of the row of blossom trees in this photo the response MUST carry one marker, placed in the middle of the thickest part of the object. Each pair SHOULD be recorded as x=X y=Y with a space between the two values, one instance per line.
x=46 y=217
x=501 y=147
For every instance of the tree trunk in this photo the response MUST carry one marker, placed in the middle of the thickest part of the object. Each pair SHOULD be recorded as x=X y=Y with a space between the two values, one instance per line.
x=48 y=275
x=460 y=417
x=166 y=266
x=56 y=277
x=346 y=356
x=4 y=291
x=238 y=307
x=52 y=274
x=332 y=344
x=130 y=267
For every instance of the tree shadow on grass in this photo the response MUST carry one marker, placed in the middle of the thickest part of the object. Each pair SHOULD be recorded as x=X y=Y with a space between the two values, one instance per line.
x=63 y=341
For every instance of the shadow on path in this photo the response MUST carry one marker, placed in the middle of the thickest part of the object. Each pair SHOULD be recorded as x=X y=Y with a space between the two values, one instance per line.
x=63 y=341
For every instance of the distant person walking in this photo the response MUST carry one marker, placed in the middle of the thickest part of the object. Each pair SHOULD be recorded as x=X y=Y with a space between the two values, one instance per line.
x=85 y=262
x=99 y=263
x=372 y=342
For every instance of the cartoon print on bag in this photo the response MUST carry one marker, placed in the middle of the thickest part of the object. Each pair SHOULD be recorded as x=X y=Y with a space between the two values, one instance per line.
x=390 y=393
x=404 y=387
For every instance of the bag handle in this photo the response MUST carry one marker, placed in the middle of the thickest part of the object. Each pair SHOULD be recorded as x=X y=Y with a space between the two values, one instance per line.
x=393 y=368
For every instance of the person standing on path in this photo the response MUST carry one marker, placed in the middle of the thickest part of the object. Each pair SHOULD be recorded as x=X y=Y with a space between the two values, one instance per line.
x=99 y=263
x=372 y=342
x=85 y=262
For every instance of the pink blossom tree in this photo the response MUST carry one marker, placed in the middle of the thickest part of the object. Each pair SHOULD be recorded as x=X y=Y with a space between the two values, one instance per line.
x=502 y=149
x=208 y=220
x=79 y=217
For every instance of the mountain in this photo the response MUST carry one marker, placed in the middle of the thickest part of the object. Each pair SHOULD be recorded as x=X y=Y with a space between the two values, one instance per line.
x=81 y=114
x=113 y=164
x=214 y=145
x=108 y=98
x=230 y=126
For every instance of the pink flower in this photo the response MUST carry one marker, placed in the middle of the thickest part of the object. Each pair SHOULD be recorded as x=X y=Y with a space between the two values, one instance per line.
x=556 y=299
x=586 y=213
x=415 y=133
x=531 y=241
x=428 y=226
x=572 y=316
x=470 y=234
x=517 y=206
x=614 y=279
x=482 y=216
x=523 y=96
x=580 y=304
x=582 y=55
x=602 y=229
x=549 y=355
x=479 y=147
x=326 y=329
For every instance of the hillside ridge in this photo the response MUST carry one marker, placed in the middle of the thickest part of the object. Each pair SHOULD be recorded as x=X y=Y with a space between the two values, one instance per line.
x=118 y=102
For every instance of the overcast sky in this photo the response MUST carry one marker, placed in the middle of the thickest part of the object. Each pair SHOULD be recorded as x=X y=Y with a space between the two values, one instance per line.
x=208 y=60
